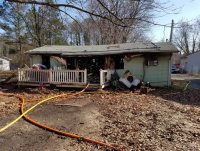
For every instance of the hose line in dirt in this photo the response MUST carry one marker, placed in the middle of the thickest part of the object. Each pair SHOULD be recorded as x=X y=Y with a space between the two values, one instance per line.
x=23 y=114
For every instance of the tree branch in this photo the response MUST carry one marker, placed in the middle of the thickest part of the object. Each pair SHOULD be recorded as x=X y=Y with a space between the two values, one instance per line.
x=64 y=5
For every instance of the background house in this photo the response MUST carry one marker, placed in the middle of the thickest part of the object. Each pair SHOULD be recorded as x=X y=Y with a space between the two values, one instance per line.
x=4 y=63
x=191 y=63
x=10 y=50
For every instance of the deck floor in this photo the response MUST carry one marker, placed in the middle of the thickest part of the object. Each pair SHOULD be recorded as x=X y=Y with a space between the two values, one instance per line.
x=91 y=86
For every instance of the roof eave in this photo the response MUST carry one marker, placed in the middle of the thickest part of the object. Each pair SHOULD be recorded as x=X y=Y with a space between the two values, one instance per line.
x=99 y=53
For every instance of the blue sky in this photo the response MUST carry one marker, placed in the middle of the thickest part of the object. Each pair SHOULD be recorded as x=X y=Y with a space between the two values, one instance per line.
x=189 y=10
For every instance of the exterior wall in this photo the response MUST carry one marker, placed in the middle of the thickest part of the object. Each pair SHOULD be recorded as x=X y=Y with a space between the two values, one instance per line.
x=193 y=63
x=135 y=66
x=159 y=75
x=35 y=59
x=54 y=63
x=6 y=64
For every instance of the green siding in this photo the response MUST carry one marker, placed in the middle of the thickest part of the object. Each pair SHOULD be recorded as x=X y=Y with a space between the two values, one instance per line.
x=36 y=59
x=135 y=66
x=156 y=75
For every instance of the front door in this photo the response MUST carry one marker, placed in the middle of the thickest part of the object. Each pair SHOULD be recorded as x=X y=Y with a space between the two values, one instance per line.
x=46 y=61
x=93 y=66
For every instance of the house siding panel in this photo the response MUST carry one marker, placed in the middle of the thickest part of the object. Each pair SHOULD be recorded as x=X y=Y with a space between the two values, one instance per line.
x=36 y=59
x=157 y=75
x=135 y=66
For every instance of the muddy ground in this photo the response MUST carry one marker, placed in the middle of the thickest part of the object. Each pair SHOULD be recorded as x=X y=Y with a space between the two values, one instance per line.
x=163 y=119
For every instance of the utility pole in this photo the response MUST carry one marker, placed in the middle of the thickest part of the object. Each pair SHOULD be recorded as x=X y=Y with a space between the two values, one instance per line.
x=171 y=33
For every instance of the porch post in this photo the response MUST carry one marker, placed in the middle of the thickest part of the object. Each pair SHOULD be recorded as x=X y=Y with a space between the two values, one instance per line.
x=19 y=74
x=50 y=75
x=85 y=76
x=101 y=77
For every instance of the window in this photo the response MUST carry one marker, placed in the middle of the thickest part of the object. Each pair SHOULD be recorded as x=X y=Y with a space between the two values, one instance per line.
x=12 y=51
x=119 y=63
x=153 y=61
x=1 y=62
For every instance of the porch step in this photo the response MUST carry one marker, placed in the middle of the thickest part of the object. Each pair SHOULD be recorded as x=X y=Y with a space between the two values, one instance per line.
x=94 y=87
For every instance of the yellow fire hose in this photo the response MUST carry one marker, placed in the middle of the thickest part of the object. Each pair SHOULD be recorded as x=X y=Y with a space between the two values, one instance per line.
x=23 y=114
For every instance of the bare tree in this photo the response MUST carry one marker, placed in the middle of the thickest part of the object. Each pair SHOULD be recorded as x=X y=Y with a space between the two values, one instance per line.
x=129 y=14
x=187 y=37
x=113 y=21
x=162 y=7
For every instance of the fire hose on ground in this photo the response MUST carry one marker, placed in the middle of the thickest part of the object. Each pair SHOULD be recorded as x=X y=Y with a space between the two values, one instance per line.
x=23 y=114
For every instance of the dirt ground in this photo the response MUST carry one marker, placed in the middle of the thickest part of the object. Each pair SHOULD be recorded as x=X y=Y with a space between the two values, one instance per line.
x=163 y=119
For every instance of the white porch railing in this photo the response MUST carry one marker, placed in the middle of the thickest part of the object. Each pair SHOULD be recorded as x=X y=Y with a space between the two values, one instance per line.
x=105 y=76
x=68 y=76
x=35 y=76
x=53 y=76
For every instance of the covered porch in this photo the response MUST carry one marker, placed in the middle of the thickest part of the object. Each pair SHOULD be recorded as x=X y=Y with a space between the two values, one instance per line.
x=71 y=71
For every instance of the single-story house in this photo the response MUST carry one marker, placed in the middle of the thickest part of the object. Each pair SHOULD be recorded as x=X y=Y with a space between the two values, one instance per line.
x=191 y=63
x=4 y=63
x=75 y=66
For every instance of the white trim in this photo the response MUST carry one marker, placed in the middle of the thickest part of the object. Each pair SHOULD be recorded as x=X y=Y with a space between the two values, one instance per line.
x=169 y=73
x=53 y=76
x=105 y=76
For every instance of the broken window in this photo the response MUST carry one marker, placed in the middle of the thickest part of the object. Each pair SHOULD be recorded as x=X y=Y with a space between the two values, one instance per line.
x=151 y=61
x=119 y=62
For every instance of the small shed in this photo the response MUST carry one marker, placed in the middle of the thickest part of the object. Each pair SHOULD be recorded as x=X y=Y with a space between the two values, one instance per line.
x=4 y=63
x=74 y=66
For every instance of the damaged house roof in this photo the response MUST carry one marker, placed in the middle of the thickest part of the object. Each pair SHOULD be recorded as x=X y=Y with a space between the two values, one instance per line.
x=137 y=47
